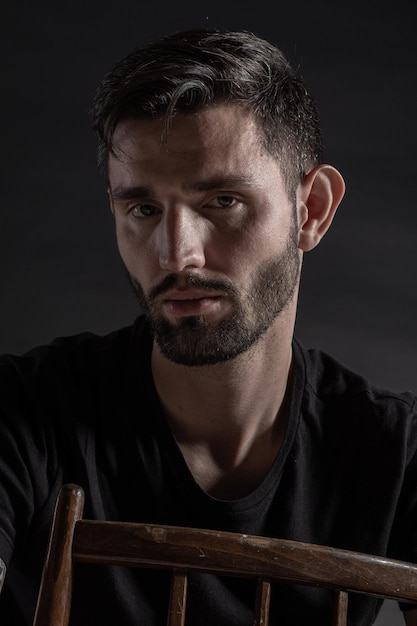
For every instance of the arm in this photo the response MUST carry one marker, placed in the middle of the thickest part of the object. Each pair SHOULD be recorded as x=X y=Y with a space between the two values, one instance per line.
x=2 y=573
x=410 y=617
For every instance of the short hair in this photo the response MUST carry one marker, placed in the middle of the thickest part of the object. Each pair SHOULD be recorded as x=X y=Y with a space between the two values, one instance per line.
x=190 y=70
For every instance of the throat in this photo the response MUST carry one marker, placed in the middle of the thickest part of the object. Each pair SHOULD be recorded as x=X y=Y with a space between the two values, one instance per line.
x=229 y=471
x=229 y=421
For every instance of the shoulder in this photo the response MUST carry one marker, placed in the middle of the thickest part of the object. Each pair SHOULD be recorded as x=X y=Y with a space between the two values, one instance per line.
x=330 y=386
x=73 y=373
x=82 y=353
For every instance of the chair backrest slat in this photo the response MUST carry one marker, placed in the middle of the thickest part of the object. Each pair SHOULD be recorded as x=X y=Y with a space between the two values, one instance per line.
x=340 y=608
x=263 y=598
x=178 y=599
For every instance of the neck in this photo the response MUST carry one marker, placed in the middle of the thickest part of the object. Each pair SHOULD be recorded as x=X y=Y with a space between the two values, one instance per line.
x=236 y=391
x=231 y=415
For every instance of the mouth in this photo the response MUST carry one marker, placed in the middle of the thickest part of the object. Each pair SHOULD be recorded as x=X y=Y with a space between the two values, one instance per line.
x=191 y=302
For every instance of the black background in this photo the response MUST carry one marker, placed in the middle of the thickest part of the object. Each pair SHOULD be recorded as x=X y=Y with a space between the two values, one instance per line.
x=59 y=268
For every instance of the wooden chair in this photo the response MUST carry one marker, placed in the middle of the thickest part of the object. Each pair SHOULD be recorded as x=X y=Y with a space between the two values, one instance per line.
x=74 y=539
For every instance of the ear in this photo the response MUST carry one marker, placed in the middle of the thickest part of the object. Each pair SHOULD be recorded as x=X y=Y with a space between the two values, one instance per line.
x=318 y=197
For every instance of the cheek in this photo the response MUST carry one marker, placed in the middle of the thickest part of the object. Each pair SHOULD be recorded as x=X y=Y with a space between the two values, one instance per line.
x=261 y=241
x=125 y=241
x=133 y=249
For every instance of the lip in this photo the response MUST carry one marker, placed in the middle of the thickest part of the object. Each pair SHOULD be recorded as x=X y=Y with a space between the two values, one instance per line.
x=190 y=294
x=191 y=302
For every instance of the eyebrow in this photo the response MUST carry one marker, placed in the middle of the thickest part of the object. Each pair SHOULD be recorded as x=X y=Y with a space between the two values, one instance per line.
x=122 y=192
x=220 y=182
x=138 y=192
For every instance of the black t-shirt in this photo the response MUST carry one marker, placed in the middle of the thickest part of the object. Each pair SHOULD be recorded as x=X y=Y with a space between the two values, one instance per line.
x=85 y=410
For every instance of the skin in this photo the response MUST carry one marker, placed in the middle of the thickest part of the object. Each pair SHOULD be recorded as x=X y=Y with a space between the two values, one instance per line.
x=194 y=340
x=229 y=418
x=2 y=573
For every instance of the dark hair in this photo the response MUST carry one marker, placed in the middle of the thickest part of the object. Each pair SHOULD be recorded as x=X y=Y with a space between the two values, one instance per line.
x=187 y=71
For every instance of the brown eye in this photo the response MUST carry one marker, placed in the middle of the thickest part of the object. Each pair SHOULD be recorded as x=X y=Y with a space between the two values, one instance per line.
x=224 y=202
x=143 y=210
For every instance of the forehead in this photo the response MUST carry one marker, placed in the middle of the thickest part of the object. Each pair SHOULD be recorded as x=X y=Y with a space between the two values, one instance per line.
x=220 y=137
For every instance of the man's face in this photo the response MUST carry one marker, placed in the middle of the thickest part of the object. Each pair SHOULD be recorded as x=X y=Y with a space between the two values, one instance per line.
x=206 y=231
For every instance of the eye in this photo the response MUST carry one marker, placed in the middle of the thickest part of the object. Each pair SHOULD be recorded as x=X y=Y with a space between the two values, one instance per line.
x=143 y=210
x=223 y=202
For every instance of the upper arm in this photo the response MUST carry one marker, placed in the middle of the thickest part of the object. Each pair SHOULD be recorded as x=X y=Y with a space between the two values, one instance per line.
x=410 y=617
x=2 y=572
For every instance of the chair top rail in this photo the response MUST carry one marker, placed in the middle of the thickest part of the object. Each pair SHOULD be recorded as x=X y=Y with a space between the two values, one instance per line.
x=225 y=553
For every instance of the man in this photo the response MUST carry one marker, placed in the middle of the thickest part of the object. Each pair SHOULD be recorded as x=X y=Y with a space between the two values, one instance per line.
x=206 y=412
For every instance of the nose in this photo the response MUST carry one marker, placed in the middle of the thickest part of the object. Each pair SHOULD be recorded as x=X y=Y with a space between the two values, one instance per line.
x=181 y=239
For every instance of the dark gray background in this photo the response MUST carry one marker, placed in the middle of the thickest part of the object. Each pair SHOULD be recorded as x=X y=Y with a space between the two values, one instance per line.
x=59 y=268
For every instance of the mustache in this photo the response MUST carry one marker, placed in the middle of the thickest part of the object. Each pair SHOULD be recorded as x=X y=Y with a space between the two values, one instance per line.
x=176 y=281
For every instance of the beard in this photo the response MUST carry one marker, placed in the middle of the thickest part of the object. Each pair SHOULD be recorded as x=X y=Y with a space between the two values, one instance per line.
x=197 y=341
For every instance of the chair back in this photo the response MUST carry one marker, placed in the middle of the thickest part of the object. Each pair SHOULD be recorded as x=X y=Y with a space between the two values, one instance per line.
x=182 y=550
